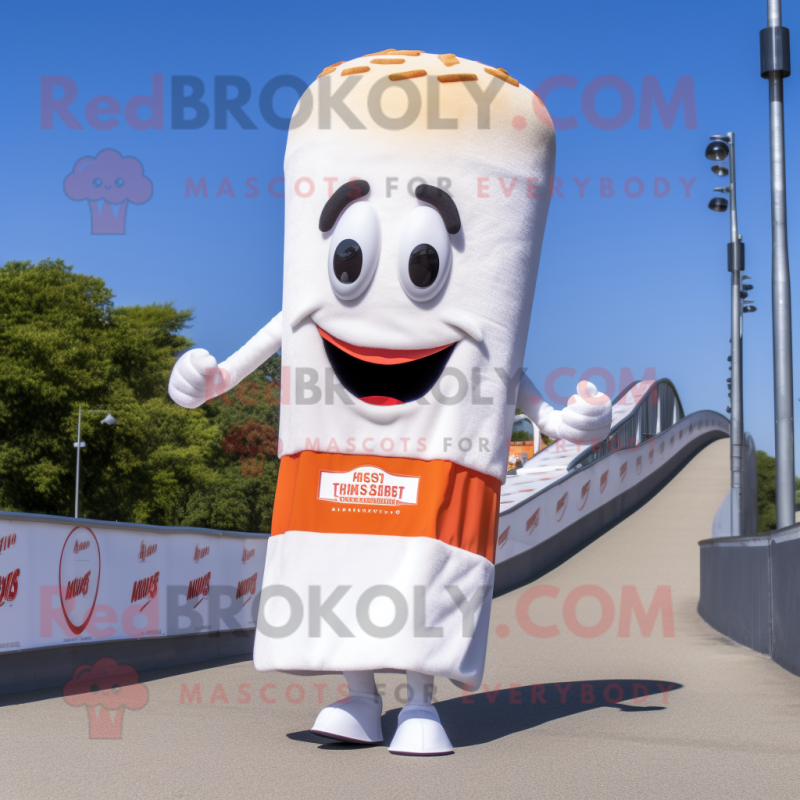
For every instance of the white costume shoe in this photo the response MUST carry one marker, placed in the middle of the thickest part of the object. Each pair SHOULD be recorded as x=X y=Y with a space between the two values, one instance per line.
x=420 y=733
x=354 y=719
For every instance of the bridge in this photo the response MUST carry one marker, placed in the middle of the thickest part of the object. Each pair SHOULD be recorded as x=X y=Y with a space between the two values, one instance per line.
x=601 y=681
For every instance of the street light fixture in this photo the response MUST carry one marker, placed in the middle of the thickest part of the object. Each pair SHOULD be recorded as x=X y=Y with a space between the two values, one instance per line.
x=720 y=148
x=107 y=420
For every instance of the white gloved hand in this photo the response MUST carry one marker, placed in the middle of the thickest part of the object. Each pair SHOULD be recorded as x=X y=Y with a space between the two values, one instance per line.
x=587 y=416
x=194 y=379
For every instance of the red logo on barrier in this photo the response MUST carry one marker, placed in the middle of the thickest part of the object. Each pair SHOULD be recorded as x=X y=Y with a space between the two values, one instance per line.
x=661 y=449
x=247 y=554
x=201 y=552
x=639 y=465
x=78 y=586
x=199 y=586
x=623 y=471
x=78 y=592
x=584 y=495
x=561 y=507
x=143 y=588
x=245 y=587
x=146 y=550
x=532 y=523
x=503 y=538
x=603 y=481
x=9 y=585
x=7 y=541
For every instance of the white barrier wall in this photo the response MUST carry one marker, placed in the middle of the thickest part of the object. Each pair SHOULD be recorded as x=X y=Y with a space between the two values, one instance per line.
x=68 y=581
x=545 y=513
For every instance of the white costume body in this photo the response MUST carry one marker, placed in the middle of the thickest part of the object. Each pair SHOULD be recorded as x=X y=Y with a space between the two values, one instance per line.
x=496 y=160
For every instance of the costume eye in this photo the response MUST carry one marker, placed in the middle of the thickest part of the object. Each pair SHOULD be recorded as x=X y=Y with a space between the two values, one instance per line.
x=355 y=246
x=424 y=254
x=347 y=261
x=423 y=265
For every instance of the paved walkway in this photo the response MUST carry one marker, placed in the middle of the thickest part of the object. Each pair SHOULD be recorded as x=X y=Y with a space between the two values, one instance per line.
x=700 y=716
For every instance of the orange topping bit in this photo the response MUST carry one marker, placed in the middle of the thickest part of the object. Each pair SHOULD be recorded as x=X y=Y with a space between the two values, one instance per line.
x=449 y=60
x=382 y=53
x=331 y=68
x=388 y=61
x=409 y=52
x=402 y=76
x=354 y=70
x=500 y=69
x=458 y=76
x=504 y=76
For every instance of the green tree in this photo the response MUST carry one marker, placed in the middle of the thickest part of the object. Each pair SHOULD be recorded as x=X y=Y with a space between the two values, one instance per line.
x=765 y=492
x=63 y=342
x=50 y=325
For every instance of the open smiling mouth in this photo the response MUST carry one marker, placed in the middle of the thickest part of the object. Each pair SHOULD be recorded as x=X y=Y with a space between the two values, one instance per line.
x=385 y=377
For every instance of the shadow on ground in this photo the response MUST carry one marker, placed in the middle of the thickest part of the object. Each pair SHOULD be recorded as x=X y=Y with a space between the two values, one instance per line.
x=482 y=717
x=145 y=676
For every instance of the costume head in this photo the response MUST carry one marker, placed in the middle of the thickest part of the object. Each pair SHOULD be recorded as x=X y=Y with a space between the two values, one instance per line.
x=417 y=189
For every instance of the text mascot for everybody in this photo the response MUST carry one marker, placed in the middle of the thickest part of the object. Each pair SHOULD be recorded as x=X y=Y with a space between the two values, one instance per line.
x=417 y=190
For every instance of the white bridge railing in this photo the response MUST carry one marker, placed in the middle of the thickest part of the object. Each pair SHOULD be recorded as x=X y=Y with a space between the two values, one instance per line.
x=567 y=494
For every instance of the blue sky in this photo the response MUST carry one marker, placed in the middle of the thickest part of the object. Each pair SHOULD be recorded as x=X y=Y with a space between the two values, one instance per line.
x=644 y=279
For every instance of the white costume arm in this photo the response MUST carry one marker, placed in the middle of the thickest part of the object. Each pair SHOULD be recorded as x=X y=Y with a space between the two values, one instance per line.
x=196 y=377
x=582 y=421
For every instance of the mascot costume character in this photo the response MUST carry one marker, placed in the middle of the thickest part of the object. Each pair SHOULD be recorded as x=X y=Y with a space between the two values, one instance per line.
x=417 y=190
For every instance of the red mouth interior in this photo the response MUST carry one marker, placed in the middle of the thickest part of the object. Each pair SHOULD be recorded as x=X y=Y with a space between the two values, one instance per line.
x=380 y=400
x=382 y=377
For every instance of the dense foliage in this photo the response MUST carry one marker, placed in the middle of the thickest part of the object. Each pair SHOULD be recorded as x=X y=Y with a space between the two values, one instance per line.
x=64 y=343
x=767 y=514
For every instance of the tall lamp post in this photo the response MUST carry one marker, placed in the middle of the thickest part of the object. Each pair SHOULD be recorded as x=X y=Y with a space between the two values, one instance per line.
x=78 y=445
x=775 y=66
x=107 y=420
x=722 y=148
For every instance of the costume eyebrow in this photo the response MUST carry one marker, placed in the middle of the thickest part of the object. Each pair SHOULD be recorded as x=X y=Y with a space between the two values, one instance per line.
x=443 y=203
x=343 y=196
